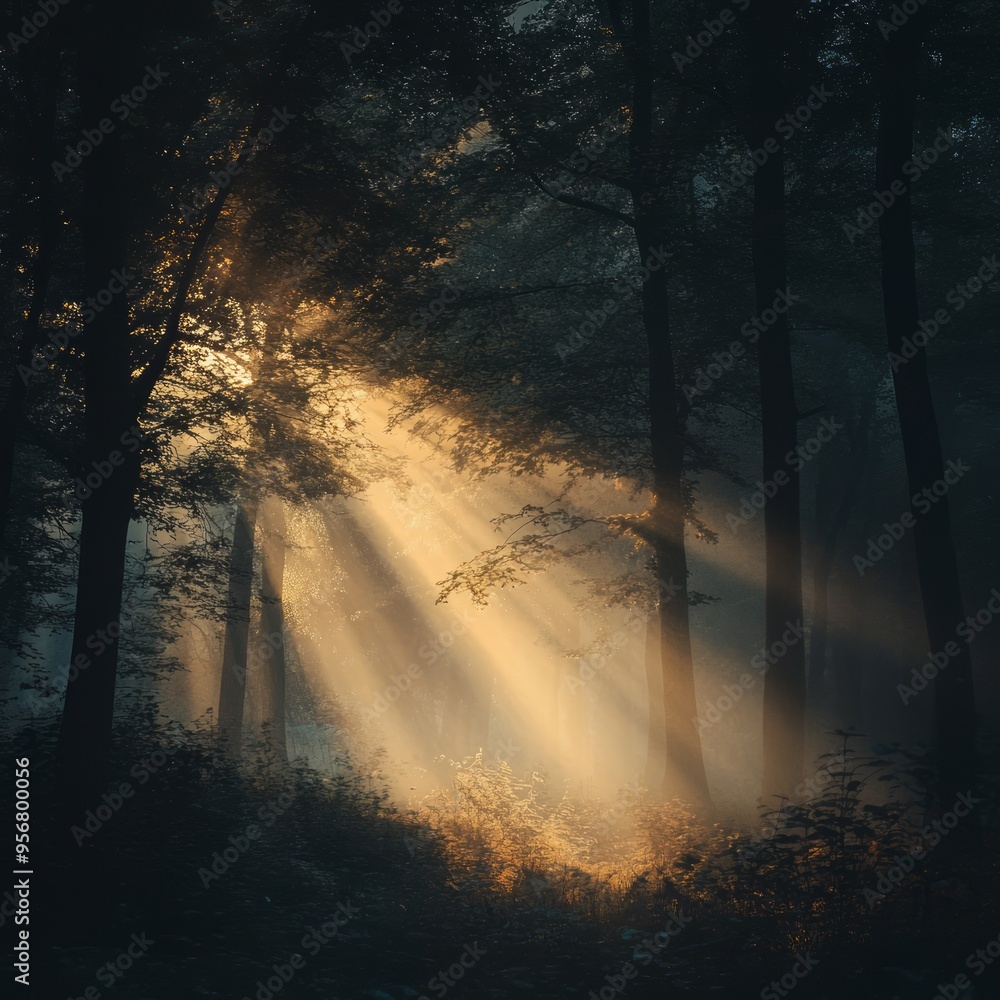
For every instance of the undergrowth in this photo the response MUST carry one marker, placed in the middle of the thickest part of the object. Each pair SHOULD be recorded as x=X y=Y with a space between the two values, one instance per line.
x=497 y=857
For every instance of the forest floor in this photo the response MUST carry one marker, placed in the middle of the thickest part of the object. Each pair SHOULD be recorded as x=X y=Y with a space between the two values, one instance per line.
x=290 y=885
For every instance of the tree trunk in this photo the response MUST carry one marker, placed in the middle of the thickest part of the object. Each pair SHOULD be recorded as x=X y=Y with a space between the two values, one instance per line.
x=785 y=682
x=655 y=749
x=818 y=639
x=271 y=647
x=937 y=566
x=111 y=467
x=232 y=691
x=683 y=770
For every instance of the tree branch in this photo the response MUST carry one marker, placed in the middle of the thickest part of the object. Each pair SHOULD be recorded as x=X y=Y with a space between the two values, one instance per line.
x=146 y=381
x=593 y=206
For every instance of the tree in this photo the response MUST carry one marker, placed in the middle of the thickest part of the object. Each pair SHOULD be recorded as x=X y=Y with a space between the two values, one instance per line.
x=235 y=651
x=654 y=443
x=684 y=768
x=112 y=447
x=115 y=400
x=769 y=36
x=937 y=567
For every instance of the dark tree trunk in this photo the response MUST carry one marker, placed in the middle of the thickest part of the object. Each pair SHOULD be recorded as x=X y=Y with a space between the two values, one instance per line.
x=271 y=647
x=683 y=771
x=232 y=691
x=937 y=566
x=107 y=63
x=85 y=735
x=851 y=655
x=785 y=683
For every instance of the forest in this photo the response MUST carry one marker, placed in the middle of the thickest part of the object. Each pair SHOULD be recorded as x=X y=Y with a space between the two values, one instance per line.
x=495 y=499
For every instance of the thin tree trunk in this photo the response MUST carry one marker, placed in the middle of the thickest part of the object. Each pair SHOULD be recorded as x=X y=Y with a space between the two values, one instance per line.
x=272 y=620
x=851 y=655
x=232 y=691
x=818 y=639
x=785 y=683
x=655 y=748
x=937 y=566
